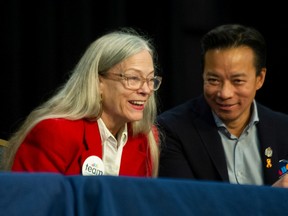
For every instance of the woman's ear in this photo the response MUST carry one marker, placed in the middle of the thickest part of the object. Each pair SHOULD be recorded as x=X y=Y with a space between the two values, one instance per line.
x=101 y=84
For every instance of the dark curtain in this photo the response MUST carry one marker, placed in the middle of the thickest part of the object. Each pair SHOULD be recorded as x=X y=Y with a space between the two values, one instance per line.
x=43 y=40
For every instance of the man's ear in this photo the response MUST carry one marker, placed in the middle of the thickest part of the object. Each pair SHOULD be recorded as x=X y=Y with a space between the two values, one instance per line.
x=261 y=78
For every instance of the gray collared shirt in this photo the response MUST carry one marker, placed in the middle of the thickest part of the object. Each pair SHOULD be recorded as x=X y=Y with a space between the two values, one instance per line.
x=242 y=154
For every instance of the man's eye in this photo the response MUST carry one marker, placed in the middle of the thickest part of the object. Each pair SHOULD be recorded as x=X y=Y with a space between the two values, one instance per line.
x=212 y=80
x=238 y=81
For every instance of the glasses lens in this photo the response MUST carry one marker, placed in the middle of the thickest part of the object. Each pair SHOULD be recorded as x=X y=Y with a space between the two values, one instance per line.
x=133 y=82
x=157 y=82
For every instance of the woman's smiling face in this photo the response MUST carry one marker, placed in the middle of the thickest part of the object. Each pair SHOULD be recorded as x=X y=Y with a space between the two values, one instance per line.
x=121 y=104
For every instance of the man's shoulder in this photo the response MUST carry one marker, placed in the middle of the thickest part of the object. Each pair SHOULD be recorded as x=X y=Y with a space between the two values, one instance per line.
x=266 y=112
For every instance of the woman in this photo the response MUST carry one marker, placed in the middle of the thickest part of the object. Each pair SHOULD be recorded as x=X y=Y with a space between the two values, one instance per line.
x=101 y=122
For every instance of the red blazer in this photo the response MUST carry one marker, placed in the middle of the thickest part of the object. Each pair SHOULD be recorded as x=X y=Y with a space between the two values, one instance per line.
x=61 y=146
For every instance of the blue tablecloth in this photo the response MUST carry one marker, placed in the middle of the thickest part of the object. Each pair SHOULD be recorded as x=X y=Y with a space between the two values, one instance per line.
x=43 y=194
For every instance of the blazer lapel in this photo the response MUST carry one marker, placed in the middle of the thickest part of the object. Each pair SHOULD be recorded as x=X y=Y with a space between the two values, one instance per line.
x=135 y=152
x=268 y=150
x=211 y=139
x=91 y=140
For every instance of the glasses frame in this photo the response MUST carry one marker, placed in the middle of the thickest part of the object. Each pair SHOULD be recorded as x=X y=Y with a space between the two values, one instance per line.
x=142 y=80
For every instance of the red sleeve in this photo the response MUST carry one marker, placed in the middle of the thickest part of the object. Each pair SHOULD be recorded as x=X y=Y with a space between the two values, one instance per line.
x=51 y=146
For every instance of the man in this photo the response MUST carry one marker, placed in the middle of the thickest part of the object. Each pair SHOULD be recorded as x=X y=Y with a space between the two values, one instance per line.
x=224 y=134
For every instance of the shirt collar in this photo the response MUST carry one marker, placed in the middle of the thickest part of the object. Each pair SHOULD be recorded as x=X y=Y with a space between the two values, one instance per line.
x=106 y=134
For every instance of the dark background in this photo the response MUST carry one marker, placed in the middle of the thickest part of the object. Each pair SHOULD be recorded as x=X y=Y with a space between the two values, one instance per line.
x=43 y=40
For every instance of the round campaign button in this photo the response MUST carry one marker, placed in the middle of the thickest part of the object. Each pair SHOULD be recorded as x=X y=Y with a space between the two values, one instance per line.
x=93 y=165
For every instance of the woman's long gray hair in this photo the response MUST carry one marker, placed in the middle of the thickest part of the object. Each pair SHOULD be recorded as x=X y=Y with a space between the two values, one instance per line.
x=80 y=97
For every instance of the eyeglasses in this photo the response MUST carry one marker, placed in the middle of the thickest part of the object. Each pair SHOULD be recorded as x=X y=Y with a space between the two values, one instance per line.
x=135 y=82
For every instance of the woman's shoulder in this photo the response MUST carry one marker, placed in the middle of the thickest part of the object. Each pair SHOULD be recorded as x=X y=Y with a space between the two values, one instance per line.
x=59 y=125
x=60 y=122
